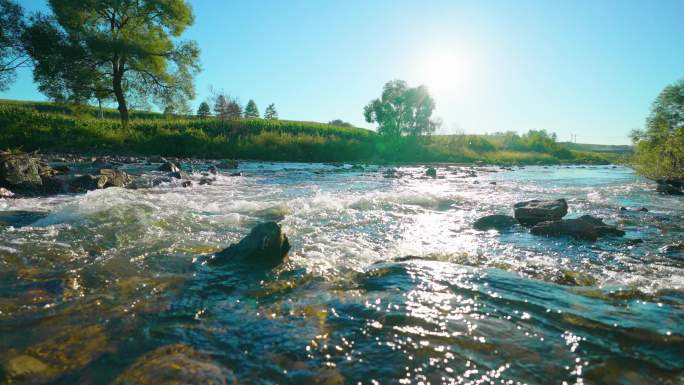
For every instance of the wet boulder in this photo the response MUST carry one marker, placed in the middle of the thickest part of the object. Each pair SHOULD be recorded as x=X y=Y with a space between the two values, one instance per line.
x=169 y=167
x=105 y=178
x=115 y=178
x=672 y=248
x=670 y=187
x=265 y=245
x=585 y=228
x=157 y=159
x=174 y=365
x=5 y=193
x=431 y=172
x=227 y=164
x=634 y=209
x=495 y=222
x=532 y=212
x=22 y=171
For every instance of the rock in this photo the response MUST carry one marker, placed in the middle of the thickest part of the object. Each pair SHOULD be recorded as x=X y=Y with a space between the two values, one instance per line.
x=5 y=193
x=61 y=169
x=178 y=175
x=431 y=172
x=157 y=159
x=186 y=183
x=497 y=222
x=71 y=350
x=265 y=245
x=226 y=164
x=21 y=171
x=532 y=212
x=115 y=178
x=637 y=209
x=236 y=174
x=391 y=173
x=672 y=248
x=175 y=365
x=204 y=181
x=213 y=170
x=585 y=227
x=106 y=178
x=169 y=167
x=670 y=187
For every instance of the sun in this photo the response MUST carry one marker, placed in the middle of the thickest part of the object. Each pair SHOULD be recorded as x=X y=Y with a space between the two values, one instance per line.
x=444 y=71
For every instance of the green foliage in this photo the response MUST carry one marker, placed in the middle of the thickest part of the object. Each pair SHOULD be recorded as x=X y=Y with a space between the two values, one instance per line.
x=340 y=122
x=114 y=50
x=660 y=148
x=69 y=128
x=402 y=110
x=271 y=113
x=203 y=110
x=251 y=110
x=12 y=54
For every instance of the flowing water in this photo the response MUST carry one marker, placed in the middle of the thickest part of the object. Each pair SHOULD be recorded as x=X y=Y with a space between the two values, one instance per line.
x=387 y=281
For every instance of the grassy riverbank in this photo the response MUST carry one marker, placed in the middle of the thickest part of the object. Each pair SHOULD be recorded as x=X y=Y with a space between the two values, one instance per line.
x=51 y=127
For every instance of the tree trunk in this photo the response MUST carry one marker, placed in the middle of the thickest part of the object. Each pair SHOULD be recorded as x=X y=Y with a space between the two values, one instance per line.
x=120 y=98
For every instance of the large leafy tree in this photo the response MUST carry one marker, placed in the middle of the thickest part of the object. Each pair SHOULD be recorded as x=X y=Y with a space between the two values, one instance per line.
x=114 y=49
x=12 y=55
x=204 y=110
x=660 y=147
x=251 y=109
x=402 y=110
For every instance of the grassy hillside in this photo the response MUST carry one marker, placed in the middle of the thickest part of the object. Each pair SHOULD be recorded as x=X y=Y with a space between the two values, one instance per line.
x=51 y=127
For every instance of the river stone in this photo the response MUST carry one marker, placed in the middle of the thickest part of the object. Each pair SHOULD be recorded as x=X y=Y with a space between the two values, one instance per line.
x=532 y=212
x=669 y=188
x=22 y=171
x=169 y=167
x=114 y=178
x=5 y=193
x=175 y=365
x=265 y=245
x=497 y=222
x=431 y=172
x=672 y=248
x=226 y=164
x=585 y=227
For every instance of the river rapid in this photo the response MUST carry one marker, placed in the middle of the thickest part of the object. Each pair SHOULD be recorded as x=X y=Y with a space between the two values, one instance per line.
x=387 y=281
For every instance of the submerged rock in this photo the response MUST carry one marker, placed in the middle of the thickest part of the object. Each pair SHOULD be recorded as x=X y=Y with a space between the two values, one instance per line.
x=532 y=212
x=169 y=167
x=634 y=209
x=585 y=227
x=497 y=222
x=175 y=365
x=20 y=218
x=265 y=245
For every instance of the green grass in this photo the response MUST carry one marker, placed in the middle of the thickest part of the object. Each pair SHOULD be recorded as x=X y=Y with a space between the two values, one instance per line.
x=51 y=127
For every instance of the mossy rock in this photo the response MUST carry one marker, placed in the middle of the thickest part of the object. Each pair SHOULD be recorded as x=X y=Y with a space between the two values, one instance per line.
x=175 y=365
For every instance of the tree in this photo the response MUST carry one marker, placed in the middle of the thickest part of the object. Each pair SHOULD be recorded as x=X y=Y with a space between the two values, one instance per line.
x=660 y=147
x=233 y=109
x=12 y=53
x=203 y=110
x=271 y=112
x=118 y=49
x=221 y=106
x=402 y=110
x=340 y=123
x=251 y=110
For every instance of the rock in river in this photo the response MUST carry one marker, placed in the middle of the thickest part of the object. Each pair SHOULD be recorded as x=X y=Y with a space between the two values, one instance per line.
x=169 y=167
x=497 y=222
x=106 y=178
x=265 y=245
x=21 y=171
x=585 y=227
x=5 y=193
x=431 y=172
x=175 y=365
x=532 y=212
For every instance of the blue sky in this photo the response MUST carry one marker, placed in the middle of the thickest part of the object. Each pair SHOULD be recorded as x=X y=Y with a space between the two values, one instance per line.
x=589 y=68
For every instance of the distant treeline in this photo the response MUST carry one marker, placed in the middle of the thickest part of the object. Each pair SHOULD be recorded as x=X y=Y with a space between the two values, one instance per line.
x=53 y=127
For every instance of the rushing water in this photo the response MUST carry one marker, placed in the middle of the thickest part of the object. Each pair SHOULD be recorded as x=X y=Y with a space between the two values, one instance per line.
x=387 y=281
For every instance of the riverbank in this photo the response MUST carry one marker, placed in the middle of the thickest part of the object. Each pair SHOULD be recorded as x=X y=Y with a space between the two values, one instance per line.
x=52 y=128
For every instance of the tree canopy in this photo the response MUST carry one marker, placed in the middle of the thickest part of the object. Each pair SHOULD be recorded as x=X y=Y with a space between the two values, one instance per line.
x=402 y=110
x=204 y=109
x=12 y=54
x=271 y=112
x=660 y=147
x=251 y=110
x=116 y=50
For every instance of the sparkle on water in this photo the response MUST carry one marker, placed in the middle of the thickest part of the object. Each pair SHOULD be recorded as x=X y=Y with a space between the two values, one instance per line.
x=387 y=281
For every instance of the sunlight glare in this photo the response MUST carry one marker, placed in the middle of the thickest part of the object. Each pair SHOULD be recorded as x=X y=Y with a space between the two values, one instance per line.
x=444 y=71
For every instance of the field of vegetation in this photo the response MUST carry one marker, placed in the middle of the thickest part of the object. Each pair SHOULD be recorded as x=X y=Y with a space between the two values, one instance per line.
x=52 y=127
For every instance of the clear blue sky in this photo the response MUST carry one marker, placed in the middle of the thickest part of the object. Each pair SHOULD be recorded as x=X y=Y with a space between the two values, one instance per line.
x=590 y=68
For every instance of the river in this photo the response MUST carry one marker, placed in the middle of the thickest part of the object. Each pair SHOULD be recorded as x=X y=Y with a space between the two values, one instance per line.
x=387 y=281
